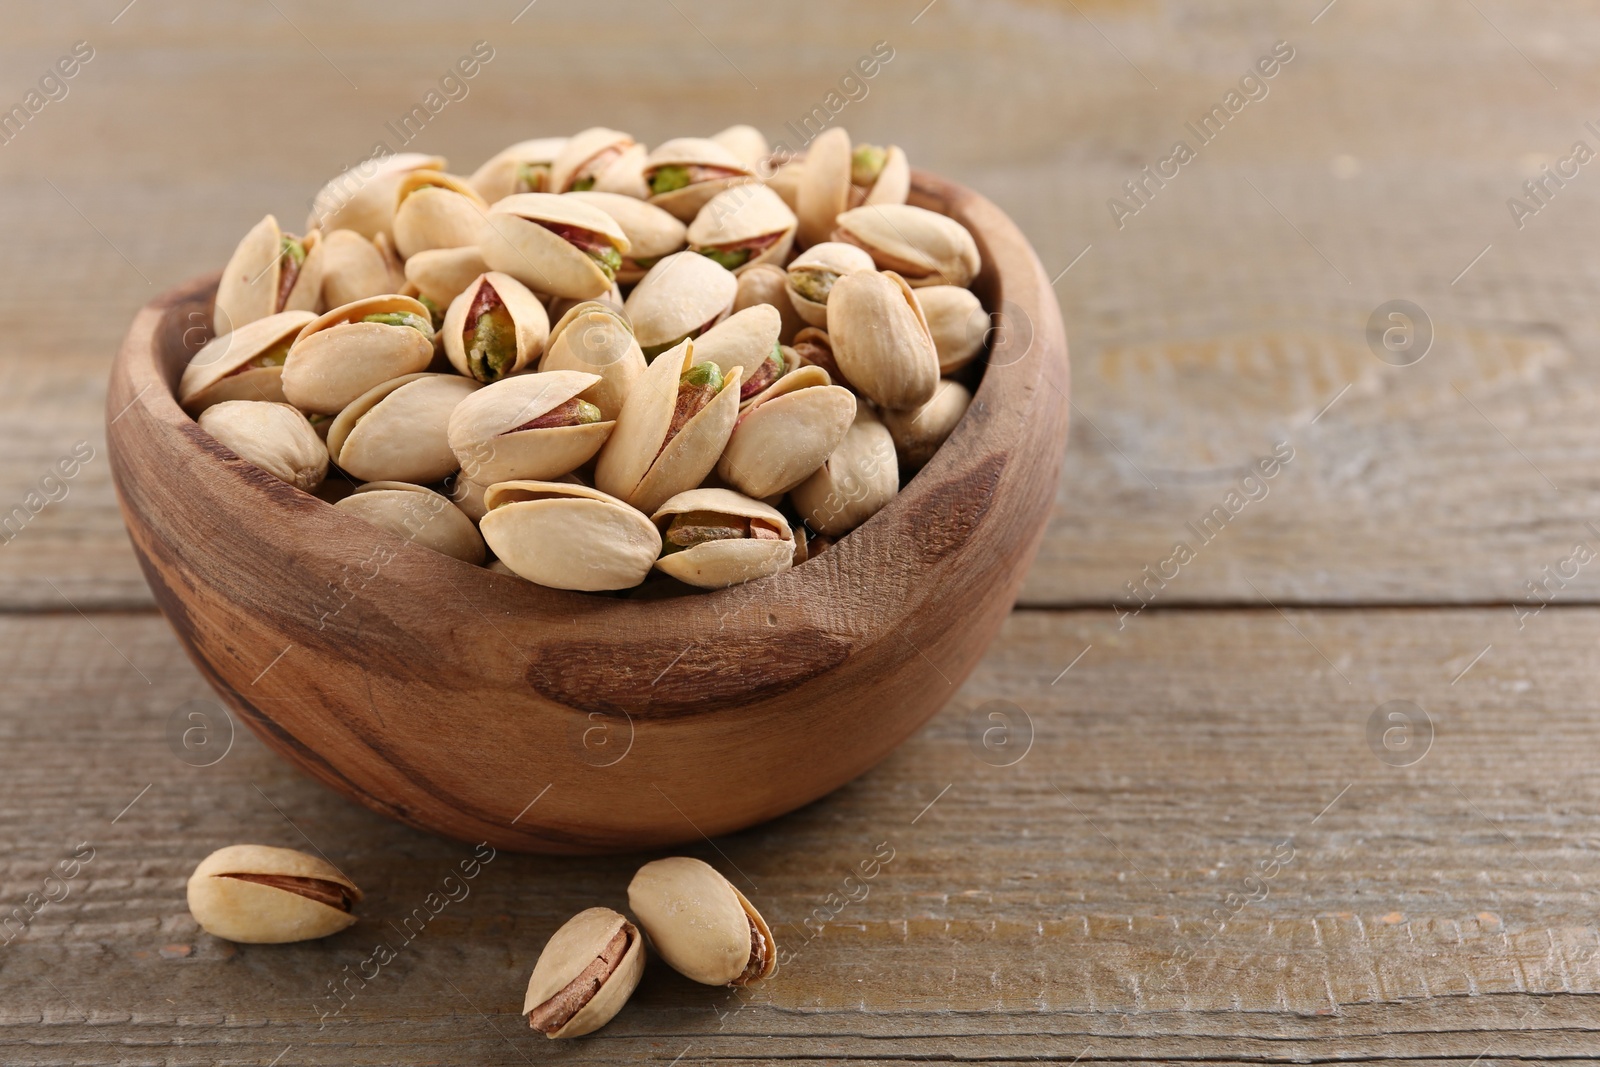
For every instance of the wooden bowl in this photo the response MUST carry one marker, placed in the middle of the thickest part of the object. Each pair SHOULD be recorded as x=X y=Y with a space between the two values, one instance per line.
x=483 y=707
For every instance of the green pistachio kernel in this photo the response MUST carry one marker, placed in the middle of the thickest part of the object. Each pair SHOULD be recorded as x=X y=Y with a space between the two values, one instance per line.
x=609 y=261
x=866 y=163
x=646 y=264
x=435 y=312
x=668 y=179
x=533 y=177
x=587 y=413
x=730 y=258
x=402 y=318
x=494 y=345
x=814 y=285
x=706 y=374
x=655 y=350
x=777 y=357
x=583 y=185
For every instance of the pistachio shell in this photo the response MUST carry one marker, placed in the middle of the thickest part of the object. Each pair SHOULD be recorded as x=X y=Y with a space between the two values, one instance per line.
x=813 y=348
x=732 y=561
x=880 y=339
x=745 y=143
x=634 y=466
x=582 y=151
x=766 y=283
x=957 y=322
x=859 y=478
x=218 y=371
x=514 y=241
x=824 y=186
x=595 y=338
x=744 y=339
x=750 y=216
x=436 y=210
x=813 y=272
x=919 y=433
x=529 y=320
x=396 y=431
x=786 y=433
x=467 y=495
x=558 y=306
x=569 y=536
x=443 y=273
x=625 y=174
x=354 y=268
x=484 y=434
x=651 y=232
x=275 y=437
x=502 y=175
x=679 y=297
x=338 y=357
x=687 y=201
x=252 y=913
x=698 y=922
x=363 y=197
x=251 y=283
x=924 y=247
x=785 y=181
x=566 y=957
x=894 y=180
x=418 y=515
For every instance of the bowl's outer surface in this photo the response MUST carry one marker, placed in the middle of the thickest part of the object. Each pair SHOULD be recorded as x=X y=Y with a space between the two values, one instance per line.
x=451 y=697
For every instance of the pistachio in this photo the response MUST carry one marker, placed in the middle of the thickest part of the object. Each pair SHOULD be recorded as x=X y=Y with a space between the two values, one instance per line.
x=442 y=274
x=260 y=895
x=652 y=233
x=859 y=478
x=785 y=178
x=881 y=341
x=813 y=348
x=396 y=431
x=957 y=322
x=714 y=538
x=246 y=364
x=879 y=175
x=746 y=144
x=270 y=271
x=742 y=226
x=700 y=923
x=786 y=433
x=436 y=210
x=467 y=495
x=275 y=437
x=568 y=536
x=681 y=297
x=584 y=162
x=813 y=272
x=747 y=339
x=554 y=244
x=354 y=268
x=347 y=351
x=922 y=246
x=532 y=426
x=585 y=974
x=824 y=186
x=418 y=515
x=767 y=283
x=596 y=338
x=919 y=432
x=363 y=198
x=673 y=426
x=522 y=168
x=495 y=328
x=685 y=173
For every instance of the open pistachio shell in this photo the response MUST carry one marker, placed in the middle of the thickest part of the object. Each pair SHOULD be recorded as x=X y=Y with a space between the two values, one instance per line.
x=260 y=895
x=918 y=433
x=493 y=355
x=418 y=515
x=521 y=168
x=958 y=323
x=595 y=338
x=558 y=306
x=568 y=536
x=638 y=463
x=363 y=197
x=811 y=275
x=269 y=272
x=786 y=433
x=767 y=283
x=467 y=495
x=746 y=143
x=704 y=168
x=396 y=431
x=490 y=433
x=436 y=210
x=893 y=183
x=651 y=232
x=586 y=157
x=442 y=274
x=243 y=365
x=742 y=226
x=519 y=240
x=785 y=181
x=354 y=268
x=339 y=356
x=719 y=562
x=859 y=478
x=813 y=348
x=881 y=341
x=744 y=339
x=625 y=175
x=922 y=246
x=681 y=296
x=274 y=437
x=585 y=974
x=700 y=923
x=824 y=185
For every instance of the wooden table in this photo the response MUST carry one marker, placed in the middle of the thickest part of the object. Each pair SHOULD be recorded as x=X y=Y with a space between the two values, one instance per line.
x=1212 y=850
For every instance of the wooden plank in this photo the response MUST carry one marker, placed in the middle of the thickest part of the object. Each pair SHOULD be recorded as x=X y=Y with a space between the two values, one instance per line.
x=1028 y=911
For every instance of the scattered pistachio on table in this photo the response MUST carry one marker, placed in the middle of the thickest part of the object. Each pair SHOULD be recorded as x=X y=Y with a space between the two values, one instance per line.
x=585 y=974
x=260 y=895
x=700 y=923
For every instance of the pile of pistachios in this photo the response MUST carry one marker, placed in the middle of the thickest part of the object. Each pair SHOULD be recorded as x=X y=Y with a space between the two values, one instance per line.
x=590 y=364
x=695 y=919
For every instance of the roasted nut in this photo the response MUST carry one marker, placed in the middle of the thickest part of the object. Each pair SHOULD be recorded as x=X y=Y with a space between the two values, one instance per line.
x=786 y=433
x=355 y=268
x=246 y=364
x=881 y=341
x=467 y=495
x=532 y=426
x=811 y=276
x=784 y=179
x=922 y=246
x=701 y=924
x=587 y=157
x=270 y=271
x=349 y=350
x=596 y=338
x=436 y=210
x=585 y=974
x=681 y=297
x=568 y=536
x=275 y=437
x=746 y=143
x=742 y=226
x=714 y=538
x=522 y=168
x=442 y=274
x=651 y=232
x=673 y=426
x=495 y=328
x=859 y=478
x=260 y=895
x=747 y=339
x=554 y=244
x=813 y=348
x=878 y=175
x=823 y=189
x=957 y=322
x=363 y=198
x=418 y=515
x=920 y=432
x=766 y=283
x=685 y=173
x=396 y=431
